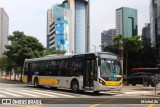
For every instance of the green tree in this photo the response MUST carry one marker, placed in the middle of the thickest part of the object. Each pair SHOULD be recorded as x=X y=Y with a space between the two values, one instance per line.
x=22 y=47
x=131 y=45
x=50 y=51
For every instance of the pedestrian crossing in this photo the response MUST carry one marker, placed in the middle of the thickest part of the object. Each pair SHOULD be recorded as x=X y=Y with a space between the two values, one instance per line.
x=35 y=93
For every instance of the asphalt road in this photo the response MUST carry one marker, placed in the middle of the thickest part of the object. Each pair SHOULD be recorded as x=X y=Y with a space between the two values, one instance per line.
x=128 y=97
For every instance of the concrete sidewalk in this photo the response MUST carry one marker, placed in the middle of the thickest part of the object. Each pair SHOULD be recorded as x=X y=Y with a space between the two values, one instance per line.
x=10 y=81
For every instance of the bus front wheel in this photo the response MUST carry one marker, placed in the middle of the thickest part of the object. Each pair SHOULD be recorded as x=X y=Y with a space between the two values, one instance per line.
x=96 y=92
x=75 y=86
x=36 y=83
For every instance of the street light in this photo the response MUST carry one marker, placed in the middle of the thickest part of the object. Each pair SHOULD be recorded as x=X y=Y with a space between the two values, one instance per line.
x=94 y=47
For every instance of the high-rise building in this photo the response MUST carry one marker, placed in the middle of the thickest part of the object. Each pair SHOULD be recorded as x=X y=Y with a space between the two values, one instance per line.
x=80 y=41
x=107 y=38
x=59 y=28
x=49 y=20
x=146 y=33
x=126 y=21
x=4 y=28
x=155 y=22
x=77 y=22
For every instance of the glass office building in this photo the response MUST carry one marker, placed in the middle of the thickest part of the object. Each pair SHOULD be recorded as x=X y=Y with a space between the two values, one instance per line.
x=126 y=21
x=80 y=27
x=75 y=15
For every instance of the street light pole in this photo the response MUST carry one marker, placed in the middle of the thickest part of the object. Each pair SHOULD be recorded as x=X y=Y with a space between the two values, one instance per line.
x=94 y=47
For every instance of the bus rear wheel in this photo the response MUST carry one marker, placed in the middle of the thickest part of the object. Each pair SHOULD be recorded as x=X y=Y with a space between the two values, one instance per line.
x=36 y=83
x=75 y=86
x=96 y=92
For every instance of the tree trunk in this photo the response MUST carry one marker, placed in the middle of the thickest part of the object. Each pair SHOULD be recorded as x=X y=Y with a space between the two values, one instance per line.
x=10 y=74
x=14 y=74
x=21 y=74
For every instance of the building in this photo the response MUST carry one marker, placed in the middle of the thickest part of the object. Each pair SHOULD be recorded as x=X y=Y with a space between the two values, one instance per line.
x=155 y=22
x=126 y=21
x=107 y=38
x=146 y=33
x=4 y=29
x=59 y=28
x=78 y=24
x=49 y=20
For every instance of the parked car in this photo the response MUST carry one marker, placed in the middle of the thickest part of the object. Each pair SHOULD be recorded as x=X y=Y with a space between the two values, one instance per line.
x=143 y=78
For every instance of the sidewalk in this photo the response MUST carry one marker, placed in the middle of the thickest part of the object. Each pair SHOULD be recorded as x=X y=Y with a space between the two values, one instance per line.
x=141 y=90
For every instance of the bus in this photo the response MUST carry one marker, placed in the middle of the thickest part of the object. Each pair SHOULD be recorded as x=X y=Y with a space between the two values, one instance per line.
x=80 y=72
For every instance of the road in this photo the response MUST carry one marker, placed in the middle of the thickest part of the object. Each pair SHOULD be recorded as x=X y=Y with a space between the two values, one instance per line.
x=65 y=98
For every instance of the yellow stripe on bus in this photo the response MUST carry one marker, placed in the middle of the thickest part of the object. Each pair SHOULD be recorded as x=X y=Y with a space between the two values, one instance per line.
x=25 y=77
x=48 y=81
x=113 y=83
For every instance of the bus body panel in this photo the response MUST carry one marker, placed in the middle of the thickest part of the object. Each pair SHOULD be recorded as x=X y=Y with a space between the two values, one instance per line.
x=59 y=82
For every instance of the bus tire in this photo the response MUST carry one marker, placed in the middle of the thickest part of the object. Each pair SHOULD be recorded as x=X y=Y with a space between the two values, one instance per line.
x=96 y=92
x=75 y=86
x=133 y=84
x=36 y=83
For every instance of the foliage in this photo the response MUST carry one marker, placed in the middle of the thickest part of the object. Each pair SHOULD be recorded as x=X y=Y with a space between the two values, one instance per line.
x=3 y=63
x=22 y=47
x=132 y=44
x=53 y=51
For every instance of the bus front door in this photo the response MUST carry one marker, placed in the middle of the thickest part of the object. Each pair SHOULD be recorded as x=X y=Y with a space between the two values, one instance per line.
x=88 y=74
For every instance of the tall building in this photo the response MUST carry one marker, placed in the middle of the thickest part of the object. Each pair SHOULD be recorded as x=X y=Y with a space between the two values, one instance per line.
x=107 y=38
x=126 y=21
x=59 y=28
x=49 y=20
x=77 y=22
x=80 y=41
x=146 y=33
x=4 y=28
x=155 y=22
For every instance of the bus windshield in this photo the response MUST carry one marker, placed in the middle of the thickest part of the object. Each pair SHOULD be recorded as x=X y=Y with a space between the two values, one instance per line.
x=110 y=69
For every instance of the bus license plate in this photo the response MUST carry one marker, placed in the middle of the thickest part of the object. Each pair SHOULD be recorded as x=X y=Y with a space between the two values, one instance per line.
x=112 y=89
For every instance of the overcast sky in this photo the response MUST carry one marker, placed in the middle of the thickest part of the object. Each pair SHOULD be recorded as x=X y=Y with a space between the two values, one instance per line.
x=30 y=16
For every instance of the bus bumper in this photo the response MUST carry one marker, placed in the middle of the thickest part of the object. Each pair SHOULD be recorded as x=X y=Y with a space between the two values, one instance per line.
x=109 y=88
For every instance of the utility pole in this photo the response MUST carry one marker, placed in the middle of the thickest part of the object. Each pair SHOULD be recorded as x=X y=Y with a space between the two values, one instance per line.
x=94 y=47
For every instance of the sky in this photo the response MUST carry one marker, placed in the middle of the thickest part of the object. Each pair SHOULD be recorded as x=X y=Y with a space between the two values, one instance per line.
x=30 y=16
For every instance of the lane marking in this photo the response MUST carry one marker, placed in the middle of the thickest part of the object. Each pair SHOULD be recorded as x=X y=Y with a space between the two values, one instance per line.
x=2 y=96
x=16 y=95
x=151 y=105
x=24 y=93
x=41 y=93
x=59 y=94
x=105 y=102
x=135 y=92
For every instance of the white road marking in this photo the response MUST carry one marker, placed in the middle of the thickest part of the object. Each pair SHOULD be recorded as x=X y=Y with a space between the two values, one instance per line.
x=137 y=92
x=2 y=96
x=59 y=94
x=24 y=93
x=15 y=95
x=40 y=93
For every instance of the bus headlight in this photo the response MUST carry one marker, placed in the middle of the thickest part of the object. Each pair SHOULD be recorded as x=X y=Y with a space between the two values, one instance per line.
x=102 y=82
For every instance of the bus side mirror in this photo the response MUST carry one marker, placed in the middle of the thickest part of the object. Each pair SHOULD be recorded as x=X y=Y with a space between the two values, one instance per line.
x=99 y=62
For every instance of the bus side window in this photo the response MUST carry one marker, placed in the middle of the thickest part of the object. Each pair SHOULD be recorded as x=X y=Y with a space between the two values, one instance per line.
x=78 y=67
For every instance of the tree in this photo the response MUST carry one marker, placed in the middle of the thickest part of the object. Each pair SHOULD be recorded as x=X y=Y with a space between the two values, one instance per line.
x=50 y=51
x=131 y=45
x=22 y=47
